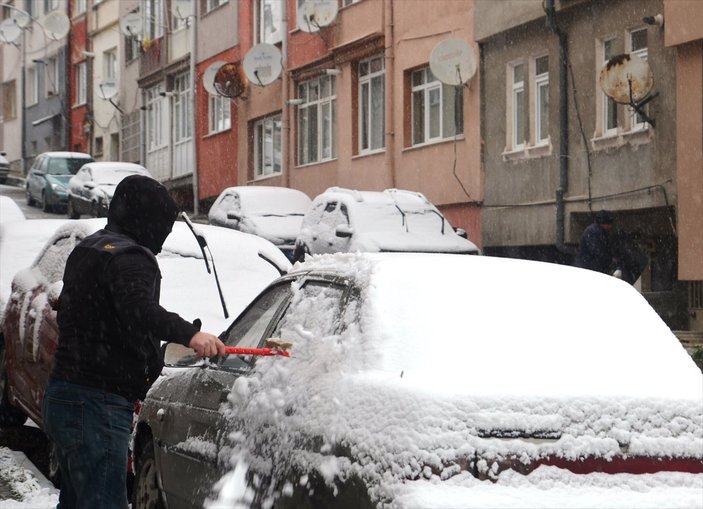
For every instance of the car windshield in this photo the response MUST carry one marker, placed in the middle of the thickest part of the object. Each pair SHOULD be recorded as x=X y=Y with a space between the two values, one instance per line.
x=113 y=176
x=65 y=166
x=412 y=217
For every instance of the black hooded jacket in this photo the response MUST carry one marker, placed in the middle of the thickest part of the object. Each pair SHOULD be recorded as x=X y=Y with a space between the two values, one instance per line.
x=109 y=317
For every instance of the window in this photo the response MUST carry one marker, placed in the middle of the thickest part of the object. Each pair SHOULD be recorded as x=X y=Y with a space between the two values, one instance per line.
x=541 y=91
x=182 y=108
x=347 y=3
x=110 y=64
x=317 y=119
x=98 y=149
x=132 y=46
x=610 y=107
x=153 y=18
x=267 y=146
x=371 y=104
x=437 y=109
x=220 y=113
x=81 y=83
x=518 y=106
x=50 y=5
x=154 y=119
x=213 y=4
x=267 y=21
x=638 y=47
x=9 y=100
x=51 y=76
x=32 y=86
x=79 y=7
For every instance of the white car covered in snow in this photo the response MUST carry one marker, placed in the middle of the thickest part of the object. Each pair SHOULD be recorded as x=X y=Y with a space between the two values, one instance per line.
x=274 y=213
x=425 y=381
x=344 y=220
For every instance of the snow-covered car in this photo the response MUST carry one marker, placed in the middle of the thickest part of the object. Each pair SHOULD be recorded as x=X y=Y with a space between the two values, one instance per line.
x=274 y=213
x=28 y=337
x=91 y=189
x=424 y=380
x=9 y=210
x=345 y=220
x=47 y=179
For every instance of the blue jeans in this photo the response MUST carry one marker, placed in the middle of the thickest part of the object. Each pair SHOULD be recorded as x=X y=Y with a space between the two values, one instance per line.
x=90 y=429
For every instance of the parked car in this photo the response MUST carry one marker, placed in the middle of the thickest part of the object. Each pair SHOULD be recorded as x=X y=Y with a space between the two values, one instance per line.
x=9 y=210
x=47 y=179
x=91 y=189
x=429 y=380
x=4 y=167
x=274 y=213
x=344 y=220
x=28 y=335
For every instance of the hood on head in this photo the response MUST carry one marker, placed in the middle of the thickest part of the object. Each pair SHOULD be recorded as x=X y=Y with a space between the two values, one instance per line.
x=143 y=209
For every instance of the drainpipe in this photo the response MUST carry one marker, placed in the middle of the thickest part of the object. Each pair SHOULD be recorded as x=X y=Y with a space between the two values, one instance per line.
x=389 y=119
x=194 y=83
x=563 y=127
x=285 y=116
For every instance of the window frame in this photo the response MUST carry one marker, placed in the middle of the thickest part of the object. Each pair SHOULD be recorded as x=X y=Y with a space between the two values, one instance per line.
x=261 y=151
x=635 y=122
x=9 y=100
x=51 y=76
x=366 y=115
x=517 y=111
x=32 y=86
x=430 y=84
x=81 y=83
x=211 y=5
x=182 y=105
x=260 y=37
x=153 y=18
x=609 y=108
x=324 y=133
x=540 y=82
x=219 y=114
x=154 y=136
x=110 y=64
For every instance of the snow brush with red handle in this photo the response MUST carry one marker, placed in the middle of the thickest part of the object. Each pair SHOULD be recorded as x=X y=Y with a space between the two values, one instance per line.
x=273 y=347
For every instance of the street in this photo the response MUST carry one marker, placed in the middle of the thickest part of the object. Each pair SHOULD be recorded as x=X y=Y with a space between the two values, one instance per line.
x=17 y=193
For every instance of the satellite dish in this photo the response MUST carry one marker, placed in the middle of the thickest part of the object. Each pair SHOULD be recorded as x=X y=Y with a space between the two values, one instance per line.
x=209 y=76
x=262 y=64
x=107 y=89
x=56 y=25
x=313 y=15
x=626 y=79
x=9 y=31
x=230 y=80
x=453 y=62
x=131 y=24
x=21 y=18
x=182 y=8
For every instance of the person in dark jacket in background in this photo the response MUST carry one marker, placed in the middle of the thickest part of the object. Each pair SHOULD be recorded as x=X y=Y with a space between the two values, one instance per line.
x=595 y=251
x=110 y=330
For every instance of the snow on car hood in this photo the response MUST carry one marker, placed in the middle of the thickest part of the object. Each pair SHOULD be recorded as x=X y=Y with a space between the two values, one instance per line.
x=447 y=346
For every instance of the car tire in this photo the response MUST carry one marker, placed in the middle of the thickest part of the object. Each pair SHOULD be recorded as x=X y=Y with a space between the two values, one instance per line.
x=146 y=493
x=9 y=415
x=44 y=203
x=71 y=210
x=30 y=200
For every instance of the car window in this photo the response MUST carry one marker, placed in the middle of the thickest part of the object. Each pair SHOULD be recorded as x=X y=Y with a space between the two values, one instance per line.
x=62 y=166
x=314 y=312
x=344 y=214
x=249 y=329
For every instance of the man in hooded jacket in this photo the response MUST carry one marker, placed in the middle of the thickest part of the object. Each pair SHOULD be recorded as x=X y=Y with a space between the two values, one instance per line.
x=595 y=251
x=110 y=329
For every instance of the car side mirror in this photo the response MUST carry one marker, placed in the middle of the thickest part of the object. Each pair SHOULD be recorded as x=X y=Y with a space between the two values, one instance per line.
x=344 y=231
x=236 y=216
x=461 y=233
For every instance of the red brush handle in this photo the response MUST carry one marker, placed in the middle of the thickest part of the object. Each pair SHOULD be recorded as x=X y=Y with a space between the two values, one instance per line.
x=237 y=350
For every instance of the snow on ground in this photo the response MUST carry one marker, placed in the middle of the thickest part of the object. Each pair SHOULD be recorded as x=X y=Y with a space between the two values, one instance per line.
x=31 y=489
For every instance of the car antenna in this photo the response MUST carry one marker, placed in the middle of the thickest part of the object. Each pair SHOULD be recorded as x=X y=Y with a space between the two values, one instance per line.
x=203 y=244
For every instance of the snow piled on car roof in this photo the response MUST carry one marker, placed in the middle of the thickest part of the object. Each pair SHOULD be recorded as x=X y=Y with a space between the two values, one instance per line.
x=445 y=350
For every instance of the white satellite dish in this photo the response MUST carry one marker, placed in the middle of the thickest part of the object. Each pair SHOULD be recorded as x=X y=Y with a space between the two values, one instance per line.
x=453 y=62
x=626 y=79
x=9 y=31
x=182 y=8
x=131 y=24
x=56 y=25
x=21 y=18
x=209 y=76
x=107 y=89
x=262 y=64
x=313 y=15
